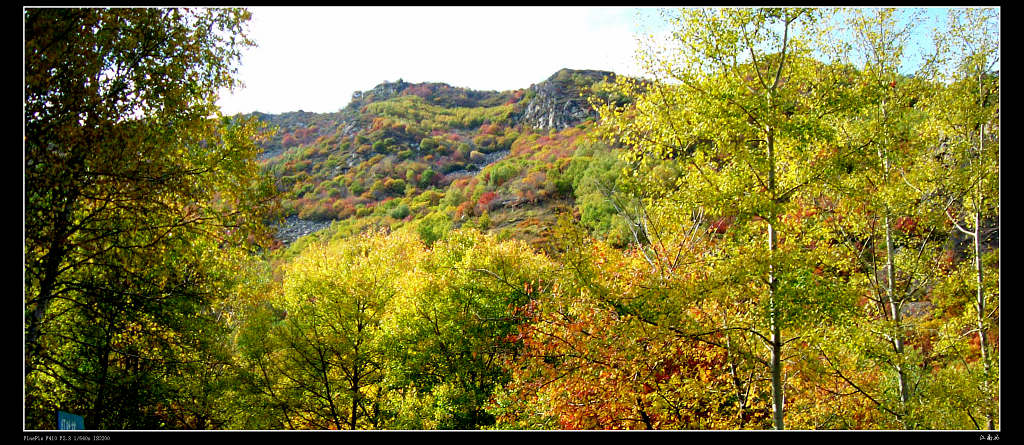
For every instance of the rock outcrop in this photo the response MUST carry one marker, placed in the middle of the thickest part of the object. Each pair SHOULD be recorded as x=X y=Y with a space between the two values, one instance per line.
x=557 y=102
x=295 y=228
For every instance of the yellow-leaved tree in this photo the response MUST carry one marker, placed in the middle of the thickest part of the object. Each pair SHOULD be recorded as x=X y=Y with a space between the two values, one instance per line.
x=743 y=106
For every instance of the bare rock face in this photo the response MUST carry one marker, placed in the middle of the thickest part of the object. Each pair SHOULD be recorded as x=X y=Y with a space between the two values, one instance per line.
x=383 y=91
x=557 y=102
x=295 y=228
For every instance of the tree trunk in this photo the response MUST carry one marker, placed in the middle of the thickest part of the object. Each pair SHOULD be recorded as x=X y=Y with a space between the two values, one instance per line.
x=894 y=311
x=356 y=368
x=895 y=305
x=51 y=267
x=980 y=303
x=978 y=266
x=778 y=397
x=99 y=403
x=979 y=282
x=355 y=403
x=58 y=248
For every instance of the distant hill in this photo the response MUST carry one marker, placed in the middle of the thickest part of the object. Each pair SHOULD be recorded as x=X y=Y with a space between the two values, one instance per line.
x=437 y=156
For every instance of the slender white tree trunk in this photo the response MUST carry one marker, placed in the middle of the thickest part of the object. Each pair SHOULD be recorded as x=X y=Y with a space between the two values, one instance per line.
x=778 y=395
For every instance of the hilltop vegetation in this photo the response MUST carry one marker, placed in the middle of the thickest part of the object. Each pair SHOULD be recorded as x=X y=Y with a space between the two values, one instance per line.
x=440 y=157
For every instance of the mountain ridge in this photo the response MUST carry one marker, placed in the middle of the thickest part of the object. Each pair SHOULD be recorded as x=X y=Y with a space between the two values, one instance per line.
x=400 y=152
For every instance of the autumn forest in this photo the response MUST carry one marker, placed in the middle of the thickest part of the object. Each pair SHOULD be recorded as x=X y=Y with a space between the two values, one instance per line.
x=779 y=226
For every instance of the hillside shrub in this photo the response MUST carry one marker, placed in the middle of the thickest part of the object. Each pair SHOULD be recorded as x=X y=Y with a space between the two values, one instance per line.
x=399 y=212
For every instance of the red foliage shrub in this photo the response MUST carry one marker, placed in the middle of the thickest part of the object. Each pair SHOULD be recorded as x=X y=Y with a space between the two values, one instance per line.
x=464 y=209
x=289 y=141
x=487 y=198
x=516 y=97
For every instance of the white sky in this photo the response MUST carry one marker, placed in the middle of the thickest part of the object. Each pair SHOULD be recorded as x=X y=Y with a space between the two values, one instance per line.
x=314 y=58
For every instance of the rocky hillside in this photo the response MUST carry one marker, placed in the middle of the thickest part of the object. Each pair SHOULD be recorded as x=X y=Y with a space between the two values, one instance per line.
x=434 y=155
x=559 y=102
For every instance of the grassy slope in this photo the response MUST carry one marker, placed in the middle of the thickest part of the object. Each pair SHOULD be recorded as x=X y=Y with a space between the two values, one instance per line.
x=432 y=156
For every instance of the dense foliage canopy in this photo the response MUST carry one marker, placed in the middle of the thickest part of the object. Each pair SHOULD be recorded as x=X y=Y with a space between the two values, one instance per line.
x=778 y=227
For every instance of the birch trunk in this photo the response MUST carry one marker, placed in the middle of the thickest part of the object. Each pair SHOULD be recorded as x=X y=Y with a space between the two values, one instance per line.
x=778 y=397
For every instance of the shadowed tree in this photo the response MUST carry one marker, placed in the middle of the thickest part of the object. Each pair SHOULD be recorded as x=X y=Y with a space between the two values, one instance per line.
x=136 y=194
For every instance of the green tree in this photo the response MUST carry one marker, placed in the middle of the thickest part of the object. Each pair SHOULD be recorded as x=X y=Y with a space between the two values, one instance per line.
x=327 y=353
x=135 y=198
x=434 y=226
x=883 y=222
x=596 y=174
x=964 y=116
x=740 y=105
x=451 y=332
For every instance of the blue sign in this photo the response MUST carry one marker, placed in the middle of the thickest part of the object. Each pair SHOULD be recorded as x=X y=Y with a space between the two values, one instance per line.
x=68 y=421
